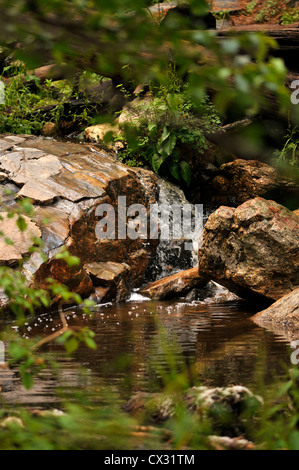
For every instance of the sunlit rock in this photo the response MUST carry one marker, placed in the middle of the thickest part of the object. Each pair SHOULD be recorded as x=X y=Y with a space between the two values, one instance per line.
x=252 y=250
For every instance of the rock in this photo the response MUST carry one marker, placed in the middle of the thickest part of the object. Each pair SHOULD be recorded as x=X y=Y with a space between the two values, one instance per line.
x=283 y=316
x=97 y=133
x=229 y=443
x=296 y=212
x=21 y=241
x=114 y=276
x=5 y=145
x=49 y=129
x=101 y=295
x=56 y=229
x=26 y=166
x=232 y=401
x=241 y=180
x=12 y=422
x=211 y=293
x=75 y=278
x=253 y=250
x=174 y=286
x=67 y=182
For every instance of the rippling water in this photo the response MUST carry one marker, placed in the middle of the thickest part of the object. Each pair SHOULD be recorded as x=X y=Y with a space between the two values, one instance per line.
x=216 y=338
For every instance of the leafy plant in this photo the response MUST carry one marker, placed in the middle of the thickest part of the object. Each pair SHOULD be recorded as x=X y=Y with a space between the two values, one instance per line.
x=290 y=151
x=30 y=104
x=290 y=16
x=270 y=9
x=158 y=128
x=25 y=300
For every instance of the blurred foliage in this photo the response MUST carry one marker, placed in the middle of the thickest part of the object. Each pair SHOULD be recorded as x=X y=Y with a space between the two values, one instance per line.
x=24 y=299
x=30 y=104
x=290 y=16
x=119 y=39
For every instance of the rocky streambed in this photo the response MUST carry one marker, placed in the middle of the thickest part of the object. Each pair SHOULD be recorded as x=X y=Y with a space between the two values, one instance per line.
x=252 y=249
x=248 y=269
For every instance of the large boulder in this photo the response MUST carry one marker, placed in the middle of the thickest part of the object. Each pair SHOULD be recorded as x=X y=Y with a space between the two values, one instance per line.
x=241 y=180
x=252 y=250
x=67 y=182
x=175 y=286
x=283 y=316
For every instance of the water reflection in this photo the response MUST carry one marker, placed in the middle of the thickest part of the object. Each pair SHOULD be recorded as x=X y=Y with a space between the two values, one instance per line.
x=218 y=339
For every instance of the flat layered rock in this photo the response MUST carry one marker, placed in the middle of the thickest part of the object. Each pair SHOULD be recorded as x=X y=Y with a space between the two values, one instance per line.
x=252 y=250
x=67 y=182
x=20 y=242
x=175 y=286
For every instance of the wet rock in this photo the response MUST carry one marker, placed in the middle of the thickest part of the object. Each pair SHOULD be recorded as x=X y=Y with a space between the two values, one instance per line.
x=252 y=250
x=101 y=295
x=20 y=242
x=115 y=277
x=67 y=182
x=174 y=286
x=211 y=293
x=75 y=278
x=241 y=180
x=283 y=316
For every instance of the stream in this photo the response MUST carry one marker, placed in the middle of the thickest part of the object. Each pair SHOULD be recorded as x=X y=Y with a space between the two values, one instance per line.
x=213 y=337
x=216 y=337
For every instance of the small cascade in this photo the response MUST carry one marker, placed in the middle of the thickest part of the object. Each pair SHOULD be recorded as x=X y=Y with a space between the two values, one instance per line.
x=172 y=255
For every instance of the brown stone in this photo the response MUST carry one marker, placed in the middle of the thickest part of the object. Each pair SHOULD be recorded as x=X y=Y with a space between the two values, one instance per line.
x=283 y=316
x=49 y=129
x=241 y=180
x=252 y=250
x=68 y=182
x=174 y=286
x=101 y=295
x=114 y=276
x=75 y=278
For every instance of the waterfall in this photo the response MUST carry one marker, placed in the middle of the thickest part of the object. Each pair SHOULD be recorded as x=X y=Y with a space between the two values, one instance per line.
x=171 y=255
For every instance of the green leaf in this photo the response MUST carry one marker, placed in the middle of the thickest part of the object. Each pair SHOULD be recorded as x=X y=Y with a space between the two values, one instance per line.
x=27 y=380
x=90 y=343
x=71 y=345
x=186 y=172
x=156 y=161
x=174 y=170
x=165 y=134
x=21 y=223
x=169 y=144
x=152 y=126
